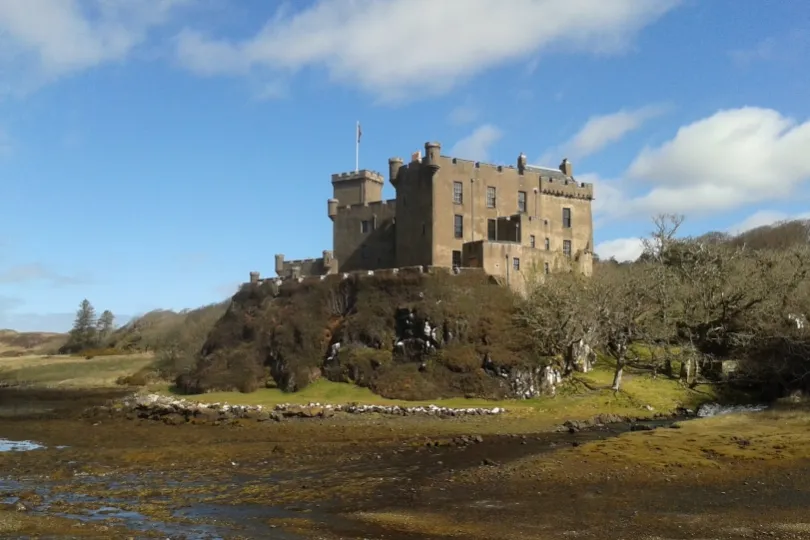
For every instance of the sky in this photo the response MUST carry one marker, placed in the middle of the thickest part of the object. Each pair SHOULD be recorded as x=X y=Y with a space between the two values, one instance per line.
x=154 y=152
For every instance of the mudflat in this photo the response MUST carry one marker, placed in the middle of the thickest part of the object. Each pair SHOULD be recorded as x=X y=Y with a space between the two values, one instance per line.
x=414 y=477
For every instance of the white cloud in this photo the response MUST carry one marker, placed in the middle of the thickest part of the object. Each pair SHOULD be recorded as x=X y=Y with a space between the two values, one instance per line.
x=58 y=37
x=361 y=42
x=600 y=131
x=24 y=273
x=476 y=145
x=765 y=217
x=783 y=48
x=464 y=113
x=731 y=158
x=621 y=249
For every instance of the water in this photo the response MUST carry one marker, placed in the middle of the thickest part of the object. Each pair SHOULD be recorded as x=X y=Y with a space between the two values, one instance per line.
x=7 y=445
x=715 y=409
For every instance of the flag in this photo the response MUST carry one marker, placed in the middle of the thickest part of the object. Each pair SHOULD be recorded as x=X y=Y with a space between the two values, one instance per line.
x=359 y=132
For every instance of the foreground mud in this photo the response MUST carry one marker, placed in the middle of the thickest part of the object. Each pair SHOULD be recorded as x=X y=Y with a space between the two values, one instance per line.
x=370 y=476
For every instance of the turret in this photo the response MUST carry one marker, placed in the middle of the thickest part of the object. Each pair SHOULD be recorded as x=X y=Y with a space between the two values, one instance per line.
x=394 y=165
x=566 y=168
x=280 y=264
x=433 y=151
x=254 y=277
x=332 y=208
x=521 y=163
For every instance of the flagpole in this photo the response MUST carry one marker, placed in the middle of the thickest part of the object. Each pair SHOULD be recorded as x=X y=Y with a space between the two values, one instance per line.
x=357 y=149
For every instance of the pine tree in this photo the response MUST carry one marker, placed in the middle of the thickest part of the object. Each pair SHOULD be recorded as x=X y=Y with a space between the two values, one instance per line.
x=83 y=334
x=105 y=326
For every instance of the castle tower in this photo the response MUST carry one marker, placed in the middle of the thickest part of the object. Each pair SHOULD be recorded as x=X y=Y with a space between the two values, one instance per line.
x=357 y=187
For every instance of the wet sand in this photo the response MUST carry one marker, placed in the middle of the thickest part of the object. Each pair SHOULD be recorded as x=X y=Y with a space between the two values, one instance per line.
x=365 y=476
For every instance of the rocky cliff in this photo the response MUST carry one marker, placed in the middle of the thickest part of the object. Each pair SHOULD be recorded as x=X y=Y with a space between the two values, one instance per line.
x=407 y=336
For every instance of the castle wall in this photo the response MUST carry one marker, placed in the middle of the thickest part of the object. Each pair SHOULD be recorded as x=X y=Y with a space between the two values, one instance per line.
x=498 y=259
x=547 y=192
x=364 y=236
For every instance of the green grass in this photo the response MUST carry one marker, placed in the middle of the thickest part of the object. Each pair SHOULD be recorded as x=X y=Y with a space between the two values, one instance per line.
x=71 y=372
x=582 y=396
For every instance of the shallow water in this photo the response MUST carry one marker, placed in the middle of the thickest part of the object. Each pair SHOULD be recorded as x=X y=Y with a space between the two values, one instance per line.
x=715 y=409
x=7 y=445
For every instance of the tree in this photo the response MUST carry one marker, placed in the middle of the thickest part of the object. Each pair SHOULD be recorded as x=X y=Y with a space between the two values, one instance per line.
x=105 y=326
x=623 y=306
x=557 y=312
x=84 y=333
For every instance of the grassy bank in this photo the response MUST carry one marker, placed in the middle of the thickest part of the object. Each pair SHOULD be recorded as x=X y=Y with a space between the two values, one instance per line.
x=70 y=371
x=582 y=396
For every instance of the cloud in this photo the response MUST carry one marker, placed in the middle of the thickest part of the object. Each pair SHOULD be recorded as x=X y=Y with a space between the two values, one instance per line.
x=731 y=158
x=360 y=42
x=621 y=249
x=765 y=217
x=465 y=113
x=476 y=145
x=37 y=272
x=600 y=131
x=60 y=37
x=784 y=48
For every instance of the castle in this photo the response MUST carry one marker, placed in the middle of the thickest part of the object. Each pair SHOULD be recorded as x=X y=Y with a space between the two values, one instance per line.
x=455 y=213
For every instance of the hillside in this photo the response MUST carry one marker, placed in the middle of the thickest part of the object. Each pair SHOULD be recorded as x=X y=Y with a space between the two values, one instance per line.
x=407 y=336
x=13 y=343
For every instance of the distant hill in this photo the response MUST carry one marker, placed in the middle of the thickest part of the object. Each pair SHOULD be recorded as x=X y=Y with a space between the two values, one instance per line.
x=13 y=343
x=780 y=235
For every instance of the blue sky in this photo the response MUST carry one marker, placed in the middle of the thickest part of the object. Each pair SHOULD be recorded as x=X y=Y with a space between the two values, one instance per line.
x=153 y=152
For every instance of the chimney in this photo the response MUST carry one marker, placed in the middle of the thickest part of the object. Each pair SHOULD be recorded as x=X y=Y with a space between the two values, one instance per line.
x=521 y=163
x=566 y=168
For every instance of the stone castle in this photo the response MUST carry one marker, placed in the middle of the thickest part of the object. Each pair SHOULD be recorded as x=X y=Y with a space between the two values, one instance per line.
x=454 y=213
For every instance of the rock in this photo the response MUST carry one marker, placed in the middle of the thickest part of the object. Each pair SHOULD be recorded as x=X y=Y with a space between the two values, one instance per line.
x=174 y=411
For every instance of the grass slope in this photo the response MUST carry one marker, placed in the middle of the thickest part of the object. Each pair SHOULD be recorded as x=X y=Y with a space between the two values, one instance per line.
x=13 y=343
x=583 y=396
x=71 y=371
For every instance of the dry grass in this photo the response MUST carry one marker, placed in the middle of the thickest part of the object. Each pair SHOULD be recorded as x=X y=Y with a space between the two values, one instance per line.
x=711 y=442
x=15 y=344
x=440 y=526
x=70 y=371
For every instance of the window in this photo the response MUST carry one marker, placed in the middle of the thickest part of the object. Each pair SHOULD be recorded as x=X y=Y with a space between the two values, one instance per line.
x=492 y=230
x=548 y=244
x=457 y=259
x=365 y=226
x=362 y=251
x=566 y=218
x=546 y=269
x=567 y=248
x=516 y=263
x=521 y=201
x=458 y=192
x=458 y=226
x=490 y=197
x=531 y=240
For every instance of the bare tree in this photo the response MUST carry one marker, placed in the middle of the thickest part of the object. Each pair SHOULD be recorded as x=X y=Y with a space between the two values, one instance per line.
x=624 y=307
x=557 y=311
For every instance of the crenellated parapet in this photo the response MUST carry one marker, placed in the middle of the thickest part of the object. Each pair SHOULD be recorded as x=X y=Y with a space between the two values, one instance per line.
x=377 y=206
x=255 y=278
x=566 y=188
x=362 y=174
